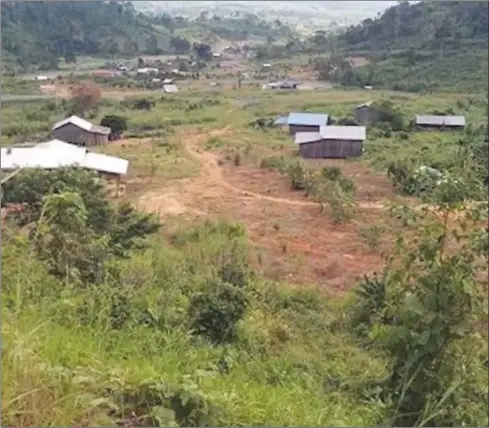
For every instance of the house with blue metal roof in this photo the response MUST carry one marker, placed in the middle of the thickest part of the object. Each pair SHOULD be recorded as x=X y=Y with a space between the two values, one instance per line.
x=306 y=122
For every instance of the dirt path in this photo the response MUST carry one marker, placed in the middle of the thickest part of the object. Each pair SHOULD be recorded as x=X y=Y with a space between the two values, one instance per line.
x=209 y=162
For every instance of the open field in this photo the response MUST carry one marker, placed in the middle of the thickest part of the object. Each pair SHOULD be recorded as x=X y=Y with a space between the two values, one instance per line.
x=123 y=352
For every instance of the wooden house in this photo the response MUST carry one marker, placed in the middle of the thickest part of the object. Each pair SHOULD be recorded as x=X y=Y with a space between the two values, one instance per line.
x=366 y=113
x=332 y=142
x=79 y=131
x=432 y=122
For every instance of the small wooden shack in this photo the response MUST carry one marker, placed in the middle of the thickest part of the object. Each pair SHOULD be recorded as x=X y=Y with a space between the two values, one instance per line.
x=81 y=132
x=332 y=142
x=440 y=123
x=306 y=122
x=366 y=113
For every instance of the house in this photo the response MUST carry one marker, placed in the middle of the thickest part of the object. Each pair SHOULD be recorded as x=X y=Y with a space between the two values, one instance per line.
x=306 y=122
x=430 y=122
x=170 y=89
x=147 y=71
x=332 y=142
x=366 y=113
x=79 y=131
x=59 y=154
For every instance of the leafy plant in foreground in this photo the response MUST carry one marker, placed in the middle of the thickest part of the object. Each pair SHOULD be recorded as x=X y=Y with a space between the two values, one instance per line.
x=432 y=303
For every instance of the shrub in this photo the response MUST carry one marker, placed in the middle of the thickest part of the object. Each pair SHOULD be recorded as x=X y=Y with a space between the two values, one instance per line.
x=117 y=125
x=347 y=121
x=216 y=312
x=273 y=162
x=388 y=114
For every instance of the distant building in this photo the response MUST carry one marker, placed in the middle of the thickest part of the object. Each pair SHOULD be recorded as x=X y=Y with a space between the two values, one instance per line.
x=170 y=89
x=366 y=113
x=147 y=71
x=431 y=122
x=41 y=78
x=267 y=65
x=306 y=122
x=332 y=142
x=79 y=131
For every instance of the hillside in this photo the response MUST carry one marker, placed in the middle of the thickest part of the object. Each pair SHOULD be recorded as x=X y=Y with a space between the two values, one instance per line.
x=41 y=32
x=423 y=25
x=422 y=46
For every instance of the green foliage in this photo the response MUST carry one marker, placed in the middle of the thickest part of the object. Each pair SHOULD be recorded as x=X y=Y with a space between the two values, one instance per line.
x=40 y=33
x=425 y=312
x=422 y=46
x=216 y=312
x=388 y=114
x=372 y=235
x=117 y=124
x=74 y=201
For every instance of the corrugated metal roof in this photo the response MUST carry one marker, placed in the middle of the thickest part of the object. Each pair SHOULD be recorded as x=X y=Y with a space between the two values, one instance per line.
x=282 y=120
x=312 y=119
x=58 y=145
x=368 y=104
x=39 y=157
x=104 y=163
x=440 y=120
x=82 y=124
x=355 y=133
x=170 y=89
x=343 y=133
x=58 y=154
x=307 y=137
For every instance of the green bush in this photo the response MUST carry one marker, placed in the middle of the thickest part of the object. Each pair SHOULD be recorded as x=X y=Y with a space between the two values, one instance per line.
x=216 y=311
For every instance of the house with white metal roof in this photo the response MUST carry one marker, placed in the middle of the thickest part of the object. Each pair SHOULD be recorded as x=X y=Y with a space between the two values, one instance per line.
x=306 y=122
x=170 y=89
x=79 y=131
x=58 y=154
x=440 y=122
x=332 y=142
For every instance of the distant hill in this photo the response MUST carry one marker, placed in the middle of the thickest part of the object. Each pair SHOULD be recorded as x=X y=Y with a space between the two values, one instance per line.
x=422 y=46
x=422 y=25
x=305 y=16
x=38 y=33
x=35 y=35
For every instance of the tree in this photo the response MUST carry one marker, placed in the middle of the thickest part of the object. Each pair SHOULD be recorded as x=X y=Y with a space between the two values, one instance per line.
x=180 y=45
x=85 y=96
x=63 y=239
x=203 y=51
x=124 y=227
x=117 y=125
x=70 y=57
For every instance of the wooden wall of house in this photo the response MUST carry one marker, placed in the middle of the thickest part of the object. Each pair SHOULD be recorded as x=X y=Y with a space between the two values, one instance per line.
x=331 y=149
x=72 y=134
x=302 y=128
x=438 y=128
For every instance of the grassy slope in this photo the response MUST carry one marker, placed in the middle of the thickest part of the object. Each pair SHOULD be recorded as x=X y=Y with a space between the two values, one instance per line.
x=294 y=363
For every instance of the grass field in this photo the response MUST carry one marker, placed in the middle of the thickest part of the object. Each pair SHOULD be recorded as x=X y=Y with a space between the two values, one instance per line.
x=198 y=164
